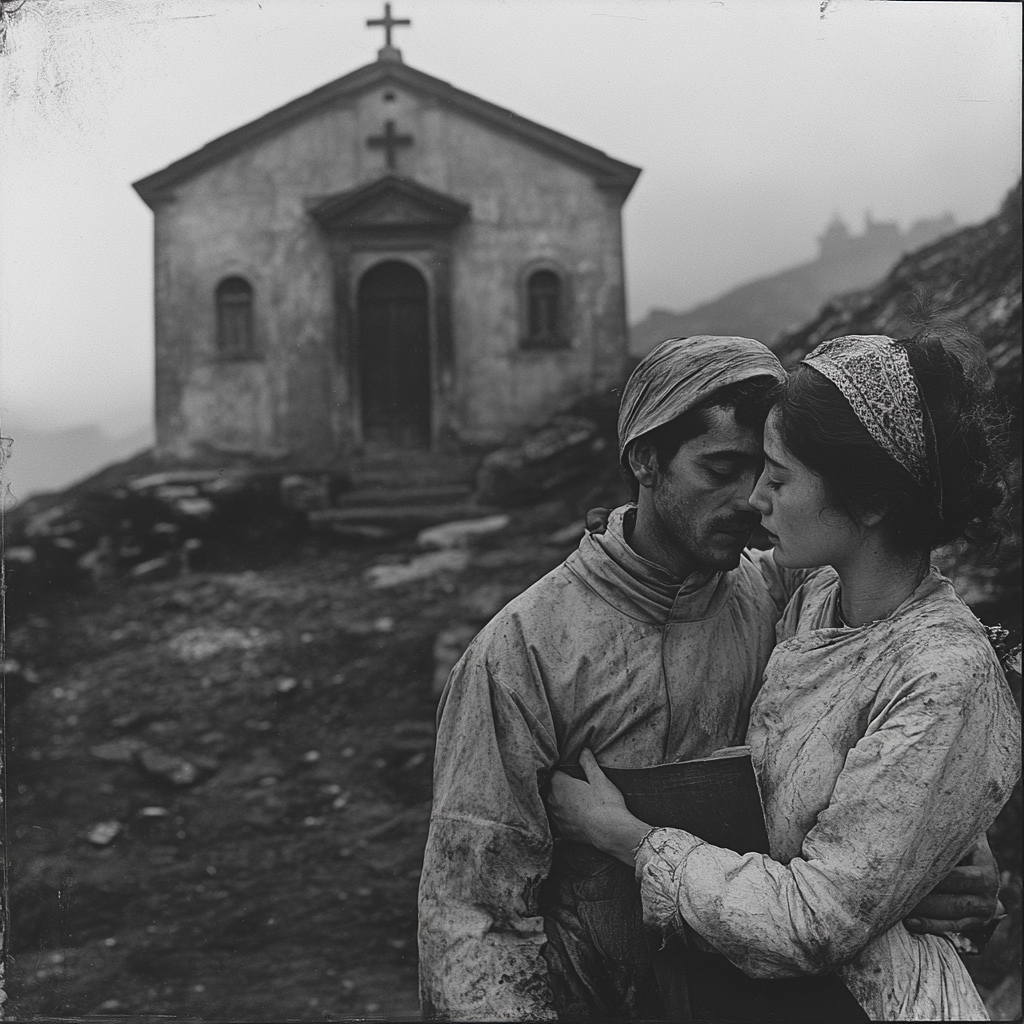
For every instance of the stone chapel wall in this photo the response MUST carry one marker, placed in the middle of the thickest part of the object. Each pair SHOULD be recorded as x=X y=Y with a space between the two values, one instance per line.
x=246 y=216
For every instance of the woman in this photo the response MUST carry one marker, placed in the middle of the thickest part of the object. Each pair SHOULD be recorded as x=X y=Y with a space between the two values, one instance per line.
x=884 y=737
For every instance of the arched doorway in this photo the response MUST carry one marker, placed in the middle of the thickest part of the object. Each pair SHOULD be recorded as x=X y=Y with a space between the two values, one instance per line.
x=394 y=355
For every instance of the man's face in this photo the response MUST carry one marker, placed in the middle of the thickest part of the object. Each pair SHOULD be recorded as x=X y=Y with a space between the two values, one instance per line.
x=700 y=500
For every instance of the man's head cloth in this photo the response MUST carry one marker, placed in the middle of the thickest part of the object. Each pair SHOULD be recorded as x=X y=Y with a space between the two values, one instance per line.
x=682 y=372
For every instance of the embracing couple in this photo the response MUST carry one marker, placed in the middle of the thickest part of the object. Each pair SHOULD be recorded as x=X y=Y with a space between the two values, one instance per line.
x=881 y=729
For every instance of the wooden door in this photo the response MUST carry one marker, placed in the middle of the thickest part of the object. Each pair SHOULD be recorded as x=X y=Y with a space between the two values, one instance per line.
x=394 y=355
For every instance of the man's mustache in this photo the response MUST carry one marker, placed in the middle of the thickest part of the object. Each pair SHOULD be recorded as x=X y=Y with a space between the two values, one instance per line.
x=737 y=525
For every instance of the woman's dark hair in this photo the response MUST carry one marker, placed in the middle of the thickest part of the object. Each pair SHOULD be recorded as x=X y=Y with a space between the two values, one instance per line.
x=751 y=400
x=965 y=435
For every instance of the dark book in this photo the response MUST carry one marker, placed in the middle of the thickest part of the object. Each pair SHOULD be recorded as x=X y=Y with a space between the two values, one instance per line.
x=715 y=798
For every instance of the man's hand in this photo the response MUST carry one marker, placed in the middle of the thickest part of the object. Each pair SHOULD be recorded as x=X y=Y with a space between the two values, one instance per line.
x=594 y=812
x=597 y=520
x=966 y=900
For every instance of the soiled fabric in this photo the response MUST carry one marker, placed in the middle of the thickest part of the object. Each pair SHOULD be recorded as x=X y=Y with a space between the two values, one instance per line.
x=883 y=752
x=680 y=372
x=606 y=651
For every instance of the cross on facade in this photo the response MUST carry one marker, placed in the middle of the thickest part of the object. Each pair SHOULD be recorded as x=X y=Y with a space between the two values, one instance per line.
x=388 y=23
x=389 y=142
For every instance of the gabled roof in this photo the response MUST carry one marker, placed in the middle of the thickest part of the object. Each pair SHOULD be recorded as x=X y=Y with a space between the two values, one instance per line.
x=614 y=175
x=389 y=203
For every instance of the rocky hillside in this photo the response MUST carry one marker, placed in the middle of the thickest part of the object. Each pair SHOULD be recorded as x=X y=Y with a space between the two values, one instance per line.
x=973 y=274
x=218 y=778
x=220 y=756
x=48 y=460
x=221 y=688
x=766 y=307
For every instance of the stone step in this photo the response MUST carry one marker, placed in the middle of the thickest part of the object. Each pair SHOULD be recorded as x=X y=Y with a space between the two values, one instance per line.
x=382 y=468
x=381 y=497
x=385 y=479
x=402 y=517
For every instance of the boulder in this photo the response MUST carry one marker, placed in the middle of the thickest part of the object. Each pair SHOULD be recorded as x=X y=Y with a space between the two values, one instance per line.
x=122 y=751
x=174 y=769
x=565 y=451
x=103 y=833
x=25 y=555
x=396 y=518
x=306 y=493
x=420 y=568
x=163 y=568
x=571 y=534
x=460 y=532
x=261 y=764
x=201 y=642
x=19 y=681
x=327 y=521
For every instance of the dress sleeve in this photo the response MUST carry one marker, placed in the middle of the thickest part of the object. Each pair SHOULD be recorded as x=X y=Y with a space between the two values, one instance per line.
x=488 y=850
x=913 y=796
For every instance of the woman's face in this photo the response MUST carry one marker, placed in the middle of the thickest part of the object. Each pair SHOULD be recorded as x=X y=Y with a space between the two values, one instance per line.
x=804 y=528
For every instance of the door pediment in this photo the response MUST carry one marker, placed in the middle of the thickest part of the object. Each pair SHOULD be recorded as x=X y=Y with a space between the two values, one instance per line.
x=387 y=204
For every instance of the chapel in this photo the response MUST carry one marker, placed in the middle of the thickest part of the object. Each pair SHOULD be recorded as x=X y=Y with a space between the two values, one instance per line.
x=385 y=261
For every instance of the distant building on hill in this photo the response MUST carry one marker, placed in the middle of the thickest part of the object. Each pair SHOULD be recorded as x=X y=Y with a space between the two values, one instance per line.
x=767 y=306
x=386 y=260
x=881 y=239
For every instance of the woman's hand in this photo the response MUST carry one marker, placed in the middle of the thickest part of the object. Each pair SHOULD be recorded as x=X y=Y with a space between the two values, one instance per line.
x=594 y=812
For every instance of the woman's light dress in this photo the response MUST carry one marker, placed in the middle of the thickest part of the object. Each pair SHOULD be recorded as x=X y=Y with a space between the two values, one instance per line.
x=882 y=752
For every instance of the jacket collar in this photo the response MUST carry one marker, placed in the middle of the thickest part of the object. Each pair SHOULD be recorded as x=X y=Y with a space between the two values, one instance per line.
x=638 y=588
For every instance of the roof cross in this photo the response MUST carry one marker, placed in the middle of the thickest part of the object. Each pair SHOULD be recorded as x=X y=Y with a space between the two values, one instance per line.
x=388 y=23
x=389 y=142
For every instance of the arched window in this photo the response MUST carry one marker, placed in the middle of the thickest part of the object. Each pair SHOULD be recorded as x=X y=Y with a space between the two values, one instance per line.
x=234 y=318
x=545 y=311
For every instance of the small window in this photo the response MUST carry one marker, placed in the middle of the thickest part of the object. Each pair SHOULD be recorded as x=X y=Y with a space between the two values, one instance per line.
x=545 y=311
x=234 y=318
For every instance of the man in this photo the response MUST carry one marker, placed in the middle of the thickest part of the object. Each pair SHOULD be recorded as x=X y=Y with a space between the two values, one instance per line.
x=646 y=645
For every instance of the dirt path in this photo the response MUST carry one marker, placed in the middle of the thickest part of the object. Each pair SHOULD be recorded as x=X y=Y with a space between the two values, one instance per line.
x=277 y=876
x=219 y=787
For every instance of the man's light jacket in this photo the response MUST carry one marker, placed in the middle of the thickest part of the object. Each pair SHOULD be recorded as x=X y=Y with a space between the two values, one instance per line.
x=606 y=651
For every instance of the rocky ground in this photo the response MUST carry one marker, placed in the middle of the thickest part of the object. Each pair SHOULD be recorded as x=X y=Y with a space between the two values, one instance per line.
x=219 y=766
x=219 y=784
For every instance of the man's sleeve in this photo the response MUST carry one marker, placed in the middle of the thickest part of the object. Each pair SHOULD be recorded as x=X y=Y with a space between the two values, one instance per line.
x=488 y=850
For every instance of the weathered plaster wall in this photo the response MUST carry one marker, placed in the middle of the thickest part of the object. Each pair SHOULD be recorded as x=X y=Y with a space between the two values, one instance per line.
x=528 y=207
x=247 y=216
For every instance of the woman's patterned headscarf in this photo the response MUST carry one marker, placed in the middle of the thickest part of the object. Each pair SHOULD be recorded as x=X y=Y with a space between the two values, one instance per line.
x=873 y=373
x=681 y=372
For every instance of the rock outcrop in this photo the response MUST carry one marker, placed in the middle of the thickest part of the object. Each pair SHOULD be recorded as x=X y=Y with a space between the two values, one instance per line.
x=771 y=305
x=574 y=449
x=973 y=274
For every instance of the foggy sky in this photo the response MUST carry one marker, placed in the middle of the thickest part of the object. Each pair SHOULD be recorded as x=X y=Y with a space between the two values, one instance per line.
x=754 y=123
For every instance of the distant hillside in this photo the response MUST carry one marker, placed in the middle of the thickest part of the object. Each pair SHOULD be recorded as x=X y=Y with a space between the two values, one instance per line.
x=763 y=308
x=973 y=274
x=50 y=460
